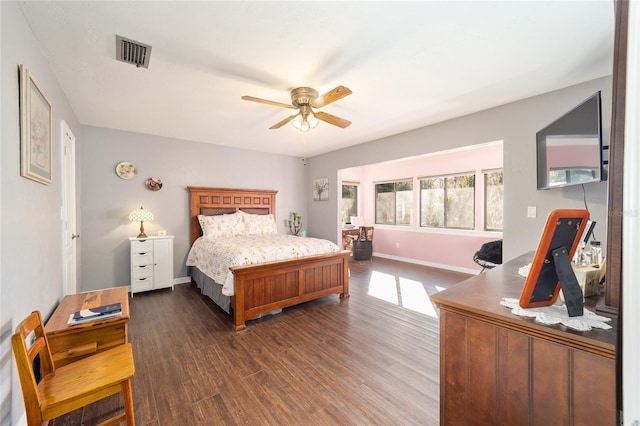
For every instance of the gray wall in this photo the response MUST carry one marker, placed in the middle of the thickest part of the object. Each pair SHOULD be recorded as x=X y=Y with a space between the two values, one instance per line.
x=107 y=200
x=31 y=228
x=516 y=124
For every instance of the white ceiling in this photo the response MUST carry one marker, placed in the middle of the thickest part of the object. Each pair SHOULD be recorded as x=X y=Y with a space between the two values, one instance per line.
x=409 y=64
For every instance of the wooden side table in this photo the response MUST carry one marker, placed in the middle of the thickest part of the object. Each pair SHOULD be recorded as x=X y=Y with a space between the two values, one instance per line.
x=70 y=343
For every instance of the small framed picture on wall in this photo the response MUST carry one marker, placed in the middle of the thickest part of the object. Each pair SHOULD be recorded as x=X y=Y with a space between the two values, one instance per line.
x=321 y=189
x=35 y=130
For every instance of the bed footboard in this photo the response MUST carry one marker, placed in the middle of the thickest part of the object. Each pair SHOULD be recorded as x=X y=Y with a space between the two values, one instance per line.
x=268 y=286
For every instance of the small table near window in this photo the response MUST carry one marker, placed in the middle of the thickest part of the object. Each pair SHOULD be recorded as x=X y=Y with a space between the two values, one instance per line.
x=70 y=343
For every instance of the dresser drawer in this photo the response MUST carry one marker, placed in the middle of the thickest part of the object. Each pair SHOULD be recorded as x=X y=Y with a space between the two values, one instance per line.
x=141 y=259
x=141 y=246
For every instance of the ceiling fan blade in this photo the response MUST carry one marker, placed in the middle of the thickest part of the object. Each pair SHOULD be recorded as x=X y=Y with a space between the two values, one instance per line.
x=283 y=122
x=265 y=101
x=331 y=96
x=332 y=119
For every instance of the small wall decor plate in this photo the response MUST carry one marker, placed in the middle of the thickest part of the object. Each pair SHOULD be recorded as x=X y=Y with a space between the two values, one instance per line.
x=153 y=184
x=126 y=170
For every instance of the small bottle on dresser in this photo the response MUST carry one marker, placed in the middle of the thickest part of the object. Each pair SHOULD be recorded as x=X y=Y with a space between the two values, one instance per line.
x=596 y=254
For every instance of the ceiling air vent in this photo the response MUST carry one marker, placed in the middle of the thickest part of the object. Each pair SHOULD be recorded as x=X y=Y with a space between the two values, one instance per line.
x=132 y=52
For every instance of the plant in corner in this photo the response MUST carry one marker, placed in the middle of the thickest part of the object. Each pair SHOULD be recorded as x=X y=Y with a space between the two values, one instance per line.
x=295 y=223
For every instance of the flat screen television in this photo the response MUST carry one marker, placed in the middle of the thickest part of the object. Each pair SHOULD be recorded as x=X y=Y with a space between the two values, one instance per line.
x=569 y=150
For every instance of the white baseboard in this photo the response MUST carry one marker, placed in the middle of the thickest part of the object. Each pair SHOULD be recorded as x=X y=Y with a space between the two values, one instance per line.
x=431 y=264
x=179 y=280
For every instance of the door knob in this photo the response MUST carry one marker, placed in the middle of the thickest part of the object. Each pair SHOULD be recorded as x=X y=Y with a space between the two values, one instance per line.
x=74 y=236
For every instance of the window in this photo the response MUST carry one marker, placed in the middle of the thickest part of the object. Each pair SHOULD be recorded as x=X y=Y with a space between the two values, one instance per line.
x=432 y=202
x=394 y=202
x=448 y=201
x=494 y=200
x=349 y=201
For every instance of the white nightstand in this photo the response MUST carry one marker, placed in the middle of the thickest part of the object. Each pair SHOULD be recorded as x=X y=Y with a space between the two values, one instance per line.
x=151 y=263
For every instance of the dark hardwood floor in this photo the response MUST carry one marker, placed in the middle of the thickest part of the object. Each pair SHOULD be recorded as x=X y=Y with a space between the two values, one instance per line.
x=369 y=359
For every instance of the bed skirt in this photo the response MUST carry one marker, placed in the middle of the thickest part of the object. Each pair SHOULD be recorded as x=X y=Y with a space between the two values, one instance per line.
x=211 y=289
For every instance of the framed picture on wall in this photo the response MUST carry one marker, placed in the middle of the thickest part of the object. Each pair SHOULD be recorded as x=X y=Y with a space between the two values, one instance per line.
x=35 y=130
x=321 y=189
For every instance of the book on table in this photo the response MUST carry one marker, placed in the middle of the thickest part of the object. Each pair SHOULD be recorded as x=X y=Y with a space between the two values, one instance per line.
x=95 y=314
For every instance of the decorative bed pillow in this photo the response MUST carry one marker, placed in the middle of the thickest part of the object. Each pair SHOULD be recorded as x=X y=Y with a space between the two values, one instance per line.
x=259 y=224
x=226 y=225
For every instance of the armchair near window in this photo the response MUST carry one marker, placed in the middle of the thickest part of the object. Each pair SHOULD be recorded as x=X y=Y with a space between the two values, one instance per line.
x=490 y=255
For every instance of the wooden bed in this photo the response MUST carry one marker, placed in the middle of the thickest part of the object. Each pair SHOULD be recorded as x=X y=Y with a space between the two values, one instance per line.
x=265 y=287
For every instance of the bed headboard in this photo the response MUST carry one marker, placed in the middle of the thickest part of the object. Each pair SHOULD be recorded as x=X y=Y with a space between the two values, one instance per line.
x=214 y=201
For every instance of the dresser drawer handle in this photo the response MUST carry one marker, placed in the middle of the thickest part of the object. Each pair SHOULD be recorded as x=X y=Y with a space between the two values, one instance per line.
x=142 y=266
x=81 y=350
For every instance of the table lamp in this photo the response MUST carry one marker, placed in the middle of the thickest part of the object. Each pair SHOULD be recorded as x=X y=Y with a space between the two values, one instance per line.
x=141 y=215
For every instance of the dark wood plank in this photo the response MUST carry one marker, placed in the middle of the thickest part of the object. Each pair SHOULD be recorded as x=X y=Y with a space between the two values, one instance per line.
x=362 y=360
x=514 y=380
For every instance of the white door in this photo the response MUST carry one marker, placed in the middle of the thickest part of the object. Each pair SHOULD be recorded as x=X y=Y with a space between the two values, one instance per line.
x=69 y=209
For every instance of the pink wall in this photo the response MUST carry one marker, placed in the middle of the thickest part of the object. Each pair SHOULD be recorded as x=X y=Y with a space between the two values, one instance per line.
x=448 y=248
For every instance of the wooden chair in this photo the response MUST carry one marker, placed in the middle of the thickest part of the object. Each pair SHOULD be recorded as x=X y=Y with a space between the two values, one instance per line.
x=64 y=389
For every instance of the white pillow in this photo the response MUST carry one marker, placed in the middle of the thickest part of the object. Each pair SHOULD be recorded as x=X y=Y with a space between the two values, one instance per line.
x=226 y=225
x=259 y=224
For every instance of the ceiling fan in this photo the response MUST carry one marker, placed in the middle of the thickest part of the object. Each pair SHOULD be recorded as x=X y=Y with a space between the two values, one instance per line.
x=305 y=100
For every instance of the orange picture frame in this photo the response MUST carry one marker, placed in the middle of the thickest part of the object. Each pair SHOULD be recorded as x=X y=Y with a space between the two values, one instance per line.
x=564 y=228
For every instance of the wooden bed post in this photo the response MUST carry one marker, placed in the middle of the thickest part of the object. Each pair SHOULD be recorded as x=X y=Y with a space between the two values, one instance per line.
x=345 y=277
x=238 y=304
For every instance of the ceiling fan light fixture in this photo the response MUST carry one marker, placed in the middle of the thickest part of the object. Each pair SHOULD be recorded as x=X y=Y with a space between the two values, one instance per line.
x=297 y=122
x=305 y=124
x=305 y=120
x=312 y=120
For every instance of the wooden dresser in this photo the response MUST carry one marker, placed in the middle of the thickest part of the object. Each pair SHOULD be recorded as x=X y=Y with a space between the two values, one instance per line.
x=70 y=343
x=497 y=368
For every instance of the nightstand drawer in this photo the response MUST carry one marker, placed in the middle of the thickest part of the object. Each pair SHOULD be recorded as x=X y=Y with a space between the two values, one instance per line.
x=141 y=284
x=145 y=271
x=141 y=246
x=141 y=259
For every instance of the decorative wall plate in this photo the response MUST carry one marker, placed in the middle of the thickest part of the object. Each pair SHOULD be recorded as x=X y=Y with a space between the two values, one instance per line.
x=126 y=170
x=153 y=184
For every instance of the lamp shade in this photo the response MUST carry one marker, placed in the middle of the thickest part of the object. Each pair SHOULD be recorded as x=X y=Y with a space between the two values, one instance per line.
x=141 y=215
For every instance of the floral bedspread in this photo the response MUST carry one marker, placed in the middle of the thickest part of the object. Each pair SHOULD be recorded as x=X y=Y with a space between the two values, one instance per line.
x=215 y=255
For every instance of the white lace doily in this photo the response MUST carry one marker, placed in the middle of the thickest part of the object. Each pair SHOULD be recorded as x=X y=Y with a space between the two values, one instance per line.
x=557 y=314
x=524 y=271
